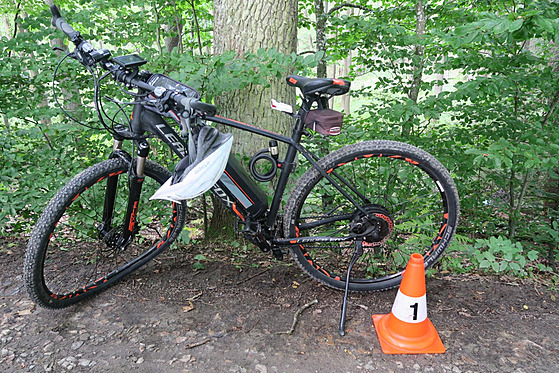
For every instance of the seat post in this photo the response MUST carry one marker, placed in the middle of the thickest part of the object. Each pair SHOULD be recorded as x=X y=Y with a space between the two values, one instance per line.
x=304 y=109
x=323 y=102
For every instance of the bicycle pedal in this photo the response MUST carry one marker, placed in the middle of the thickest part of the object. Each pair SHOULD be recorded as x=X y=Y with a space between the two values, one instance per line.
x=241 y=227
x=278 y=253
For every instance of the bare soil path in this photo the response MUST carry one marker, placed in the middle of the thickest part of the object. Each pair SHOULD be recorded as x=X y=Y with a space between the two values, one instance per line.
x=228 y=317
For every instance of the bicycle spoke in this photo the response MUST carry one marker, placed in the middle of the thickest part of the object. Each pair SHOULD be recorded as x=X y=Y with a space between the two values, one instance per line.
x=404 y=213
x=80 y=258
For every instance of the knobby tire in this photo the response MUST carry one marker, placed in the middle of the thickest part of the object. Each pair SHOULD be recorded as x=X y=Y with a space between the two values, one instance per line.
x=410 y=196
x=69 y=257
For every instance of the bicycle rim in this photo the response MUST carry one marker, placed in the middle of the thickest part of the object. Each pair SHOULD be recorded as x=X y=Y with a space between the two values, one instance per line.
x=72 y=255
x=411 y=206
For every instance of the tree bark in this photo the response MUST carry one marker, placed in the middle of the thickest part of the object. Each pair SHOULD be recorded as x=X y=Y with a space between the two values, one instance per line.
x=514 y=208
x=421 y=22
x=321 y=17
x=175 y=29
x=246 y=26
x=345 y=72
x=419 y=55
x=551 y=185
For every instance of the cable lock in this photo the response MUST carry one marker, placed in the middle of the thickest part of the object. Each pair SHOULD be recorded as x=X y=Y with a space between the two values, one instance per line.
x=261 y=158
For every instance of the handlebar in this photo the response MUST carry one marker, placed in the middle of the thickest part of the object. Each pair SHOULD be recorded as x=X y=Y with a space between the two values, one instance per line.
x=62 y=25
x=194 y=103
x=89 y=56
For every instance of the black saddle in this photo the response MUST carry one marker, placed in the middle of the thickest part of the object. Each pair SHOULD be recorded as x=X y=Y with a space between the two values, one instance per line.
x=310 y=86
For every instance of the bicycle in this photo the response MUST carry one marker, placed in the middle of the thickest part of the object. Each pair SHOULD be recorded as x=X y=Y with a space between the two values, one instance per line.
x=378 y=200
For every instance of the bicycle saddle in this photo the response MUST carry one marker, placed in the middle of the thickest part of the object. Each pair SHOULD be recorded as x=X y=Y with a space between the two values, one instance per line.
x=311 y=86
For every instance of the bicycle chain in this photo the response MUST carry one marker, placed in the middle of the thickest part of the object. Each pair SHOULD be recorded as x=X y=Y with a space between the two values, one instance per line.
x=367 y=246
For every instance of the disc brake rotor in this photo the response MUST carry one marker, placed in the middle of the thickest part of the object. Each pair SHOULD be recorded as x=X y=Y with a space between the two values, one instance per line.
x=375 y=228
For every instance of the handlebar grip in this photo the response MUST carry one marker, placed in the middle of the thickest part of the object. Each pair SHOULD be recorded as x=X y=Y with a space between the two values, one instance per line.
x=62 y=25
x=194 y=103
x=55 y=12
x=208 y=109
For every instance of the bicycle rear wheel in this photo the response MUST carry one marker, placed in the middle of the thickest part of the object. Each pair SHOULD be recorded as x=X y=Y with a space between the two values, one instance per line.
x=71 y=254
x=408 y=203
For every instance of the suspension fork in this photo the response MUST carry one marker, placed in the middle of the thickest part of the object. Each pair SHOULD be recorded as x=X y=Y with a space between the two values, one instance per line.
x=135 y=182
x=110 y=193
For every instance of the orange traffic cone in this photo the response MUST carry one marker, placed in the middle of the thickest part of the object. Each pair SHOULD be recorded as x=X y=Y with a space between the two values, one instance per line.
x=406 y=329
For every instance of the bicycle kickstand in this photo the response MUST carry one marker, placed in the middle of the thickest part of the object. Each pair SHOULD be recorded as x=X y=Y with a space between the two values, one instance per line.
x=356 y=255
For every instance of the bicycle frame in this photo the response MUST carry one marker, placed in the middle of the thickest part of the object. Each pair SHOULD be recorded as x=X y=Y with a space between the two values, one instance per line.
x=294 y=147
x=144 y=120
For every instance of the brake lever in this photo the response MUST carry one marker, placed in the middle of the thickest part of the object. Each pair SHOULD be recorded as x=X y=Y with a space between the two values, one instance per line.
x=77 y=56
x=68 y=54
x=161 y=101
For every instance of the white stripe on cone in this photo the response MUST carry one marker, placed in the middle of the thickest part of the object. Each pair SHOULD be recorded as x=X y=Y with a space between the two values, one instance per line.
x=408 y=309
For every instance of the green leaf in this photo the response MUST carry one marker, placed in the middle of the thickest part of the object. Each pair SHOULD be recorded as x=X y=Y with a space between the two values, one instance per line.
x=490 y=256
x=502 y=266
x=503 y=25
x=516 y=25
x=198 y=265
x=200 y=257
x=545 y=24
x=516 y=267
x=532 y=255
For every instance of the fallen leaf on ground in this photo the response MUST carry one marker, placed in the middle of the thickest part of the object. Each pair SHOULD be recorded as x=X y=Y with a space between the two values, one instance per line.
x=188 y=308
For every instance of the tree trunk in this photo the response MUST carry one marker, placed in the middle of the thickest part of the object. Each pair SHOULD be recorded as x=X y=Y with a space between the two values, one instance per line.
x=515 y=207
x=551 y=185
x=321 y=18
x=7 y=26
x=174 y=40
x=345 y=72
x=246 y=26
x=419 y=55
x=421 y=21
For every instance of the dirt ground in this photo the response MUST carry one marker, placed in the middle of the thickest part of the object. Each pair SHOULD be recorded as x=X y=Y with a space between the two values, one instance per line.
x=228 y=317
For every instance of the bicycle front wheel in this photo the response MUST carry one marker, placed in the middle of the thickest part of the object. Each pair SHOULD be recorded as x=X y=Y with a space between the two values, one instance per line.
x=75 y=250
x=404 y=202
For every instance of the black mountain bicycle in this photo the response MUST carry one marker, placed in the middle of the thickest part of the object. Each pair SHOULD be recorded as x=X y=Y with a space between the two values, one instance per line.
x=363 y=208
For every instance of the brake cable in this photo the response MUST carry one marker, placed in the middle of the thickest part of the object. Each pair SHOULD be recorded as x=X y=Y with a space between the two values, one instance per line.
x=55 y=96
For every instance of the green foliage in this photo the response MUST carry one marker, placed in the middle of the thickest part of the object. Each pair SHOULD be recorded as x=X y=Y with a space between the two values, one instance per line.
x=502 y=256
x=495 y=255
x=184 y=237
x=509 y=108
x=215 y=74
x=36 y=138
x=487 y=75
x=486 y=106
x=198 y=264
